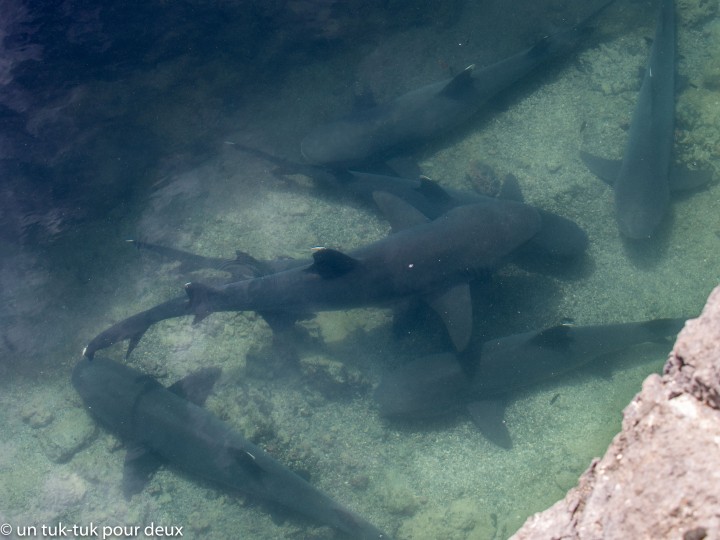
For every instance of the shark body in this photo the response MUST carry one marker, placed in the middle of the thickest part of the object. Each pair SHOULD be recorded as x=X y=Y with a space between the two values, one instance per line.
x=429 y=259
x=646 y=175
x=558 y=238
x=433 y=260
x=168 y=425
x=425 y=112
x=437 y=385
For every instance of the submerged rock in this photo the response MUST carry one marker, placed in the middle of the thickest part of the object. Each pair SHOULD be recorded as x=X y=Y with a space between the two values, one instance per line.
x=660 y=477
x=70 y=433
x=332 y=377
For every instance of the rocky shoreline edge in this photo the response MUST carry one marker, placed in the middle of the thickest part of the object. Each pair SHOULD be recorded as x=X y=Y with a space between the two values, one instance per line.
x=660 y=476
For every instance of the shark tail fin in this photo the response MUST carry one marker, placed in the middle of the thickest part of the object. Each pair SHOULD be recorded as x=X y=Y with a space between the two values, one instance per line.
x=566 y=40
x=659 y=329
x=134 y=341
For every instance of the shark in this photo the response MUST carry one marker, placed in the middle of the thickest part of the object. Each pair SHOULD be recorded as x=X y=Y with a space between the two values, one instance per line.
x=374 y=132
x=646 y=175
x=438 y=385
x=169 y=425
x=433 y=260
x=558 y=240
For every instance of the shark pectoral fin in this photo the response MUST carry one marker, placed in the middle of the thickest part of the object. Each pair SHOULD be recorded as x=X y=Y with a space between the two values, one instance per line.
x=400 y=214
x=683 y=179
x=459 y=85
x=455 y=309
x=364 y=100
x=555 y=337
x=331 y=263
x=431 y=190
x=196 y=386
x=140 y=465
x=600 y=367
x=489 y=417
x=510 y=190
x=605 y=169
x=403 y=166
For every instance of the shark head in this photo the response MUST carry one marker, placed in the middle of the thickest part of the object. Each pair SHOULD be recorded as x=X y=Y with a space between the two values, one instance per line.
x=110 y=391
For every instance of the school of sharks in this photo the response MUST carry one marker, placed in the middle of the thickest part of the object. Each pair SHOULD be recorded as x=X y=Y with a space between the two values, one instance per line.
x=442 y=242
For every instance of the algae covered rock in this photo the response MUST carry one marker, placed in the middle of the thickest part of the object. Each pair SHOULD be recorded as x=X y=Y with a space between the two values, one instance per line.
x=693 y=12
x=61 y=491
x=332 y=377
x=71 y=432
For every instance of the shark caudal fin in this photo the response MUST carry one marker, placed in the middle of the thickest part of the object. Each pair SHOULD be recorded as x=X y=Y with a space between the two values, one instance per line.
x=659 y=329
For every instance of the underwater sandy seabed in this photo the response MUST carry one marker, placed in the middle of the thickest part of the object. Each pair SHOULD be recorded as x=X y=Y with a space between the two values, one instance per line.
x=433 y=480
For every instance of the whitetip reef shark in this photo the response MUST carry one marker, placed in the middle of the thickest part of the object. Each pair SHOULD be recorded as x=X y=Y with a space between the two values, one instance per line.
x=429 y=259
x=169 y=425
x=438 y=385
x=646 y=175
x=371 y=133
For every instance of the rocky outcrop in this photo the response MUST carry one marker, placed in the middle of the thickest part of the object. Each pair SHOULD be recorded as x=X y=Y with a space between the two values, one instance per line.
x=660 y=477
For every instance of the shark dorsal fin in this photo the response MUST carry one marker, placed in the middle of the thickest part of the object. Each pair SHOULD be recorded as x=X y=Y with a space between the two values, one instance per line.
x=331 y=263
x=197 y=386
x=554 y=337
x=247 y=461
x=459 y=84
x=244 y=266
x=400 y=214
x=431 y=190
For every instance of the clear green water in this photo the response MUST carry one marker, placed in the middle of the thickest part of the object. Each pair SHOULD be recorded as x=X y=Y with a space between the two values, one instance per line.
x=441 y=480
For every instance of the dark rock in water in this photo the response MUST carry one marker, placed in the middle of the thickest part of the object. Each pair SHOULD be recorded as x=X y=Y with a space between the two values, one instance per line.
x=659 y=477
x=78 y=79
x=483 y=179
